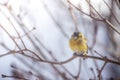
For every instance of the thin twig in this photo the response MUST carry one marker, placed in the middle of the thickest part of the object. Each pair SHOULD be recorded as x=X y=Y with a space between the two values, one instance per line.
x=99 y=58
x=98 y=53
x=24 y=35
x=100 y=71
x=6 y=76
x=112 y=26
x=79 y=68
x=54 y=20
x=112 y=12
x=68 y=60
x=14 y=29
x=103 y=19
x=93 y=72
x=89 y=15
x=2 y=55
x=73 y=17
x=52 y=62
x=10 y=36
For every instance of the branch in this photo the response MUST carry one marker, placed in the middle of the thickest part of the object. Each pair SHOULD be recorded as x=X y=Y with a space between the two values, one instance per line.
x=53 y=62
x=99 y=58
x=102 y=18
x=6 y=76
x=66 y=61
x=100 y=71
x=112 y=26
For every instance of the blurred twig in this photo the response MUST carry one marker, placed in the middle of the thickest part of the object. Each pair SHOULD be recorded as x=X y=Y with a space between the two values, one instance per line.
x=112 y=12
x=100 y=71
x=66 y=61
x=52 y=17
x=93 y=17
x=79 y=69
x=6 y=76
x=73 y=17
x=8 y=18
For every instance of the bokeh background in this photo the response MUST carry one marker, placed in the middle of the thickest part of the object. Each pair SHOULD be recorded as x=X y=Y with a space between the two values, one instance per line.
x=45 y=27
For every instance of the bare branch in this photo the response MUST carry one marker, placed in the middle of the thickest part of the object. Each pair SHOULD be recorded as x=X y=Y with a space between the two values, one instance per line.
x=100 y=71
x=6 y=76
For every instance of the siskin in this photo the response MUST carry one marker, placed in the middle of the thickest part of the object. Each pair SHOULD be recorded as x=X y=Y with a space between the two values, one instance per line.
x=78 y=43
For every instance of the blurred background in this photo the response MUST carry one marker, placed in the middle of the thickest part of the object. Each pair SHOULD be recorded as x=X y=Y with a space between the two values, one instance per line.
x=44 y=27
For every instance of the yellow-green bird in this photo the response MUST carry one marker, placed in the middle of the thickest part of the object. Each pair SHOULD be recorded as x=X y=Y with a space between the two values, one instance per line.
x=78 y=43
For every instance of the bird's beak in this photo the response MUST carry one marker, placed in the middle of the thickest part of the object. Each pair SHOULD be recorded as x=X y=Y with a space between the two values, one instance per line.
x=75 y=37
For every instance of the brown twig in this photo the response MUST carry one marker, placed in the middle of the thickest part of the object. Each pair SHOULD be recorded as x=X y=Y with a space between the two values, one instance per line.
x=10 y=36
x=73 y=17
x=25 y=33
x=54 y=20
x=52 y=62
x=112 y=26
x=93 y=72
x=2 y=55
x=99 y=58
x=68 y=60
x=98 y=53
x=111 y=10
x=100 y=71
x=79 y=69
x=14 y=29
x=102 y=18
x=89 y=15
x=6 y=76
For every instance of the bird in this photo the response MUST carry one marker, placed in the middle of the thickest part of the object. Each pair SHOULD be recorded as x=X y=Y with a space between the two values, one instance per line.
x=78 y=43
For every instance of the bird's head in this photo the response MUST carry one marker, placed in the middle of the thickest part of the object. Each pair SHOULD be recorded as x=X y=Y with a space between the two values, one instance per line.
x=77 y=35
